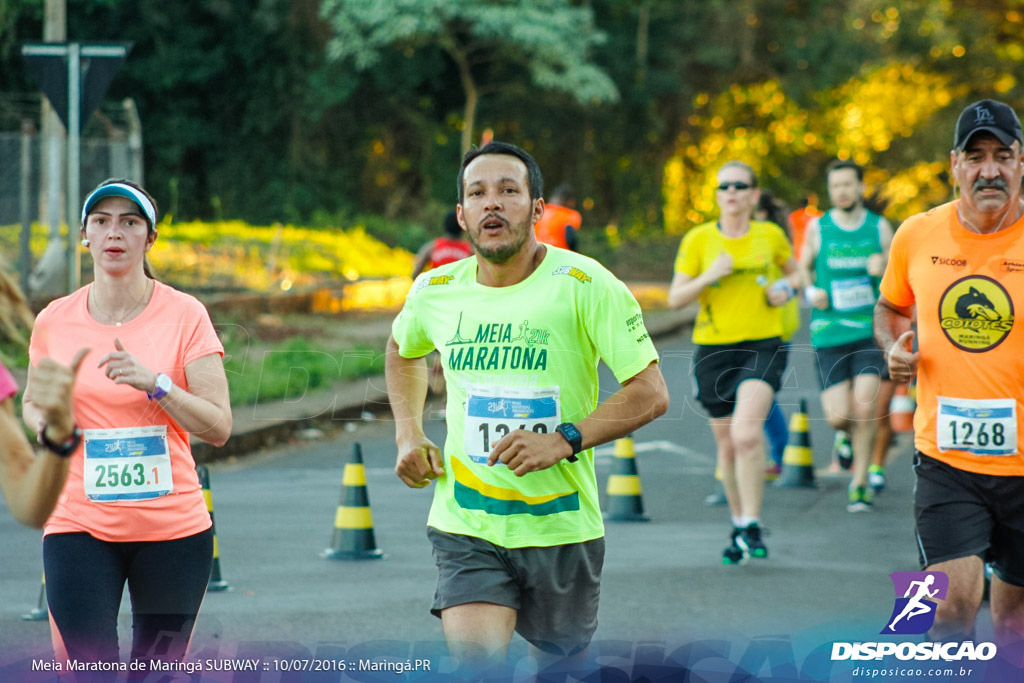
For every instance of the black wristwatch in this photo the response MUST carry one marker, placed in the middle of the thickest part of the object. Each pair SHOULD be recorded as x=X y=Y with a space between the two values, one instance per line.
x=572 y=435
x=64 y=449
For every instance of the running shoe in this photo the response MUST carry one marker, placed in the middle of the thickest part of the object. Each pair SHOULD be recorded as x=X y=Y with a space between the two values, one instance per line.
x=876 y=478
x=772 y=472
x=842 y=449
x=749 y=541
x=732 y=553
x=860 y=500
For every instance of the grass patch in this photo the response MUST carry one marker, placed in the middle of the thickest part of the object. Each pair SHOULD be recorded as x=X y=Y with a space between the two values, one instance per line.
x=291 y=368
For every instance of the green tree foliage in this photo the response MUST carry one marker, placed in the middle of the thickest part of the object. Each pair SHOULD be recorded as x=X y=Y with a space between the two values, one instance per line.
x=489 y=42
x=314 y=110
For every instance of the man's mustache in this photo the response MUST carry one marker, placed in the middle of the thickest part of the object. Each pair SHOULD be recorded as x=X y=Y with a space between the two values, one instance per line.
x=983 y=184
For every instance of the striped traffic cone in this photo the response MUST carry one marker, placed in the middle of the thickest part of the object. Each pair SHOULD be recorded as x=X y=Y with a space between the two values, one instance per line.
x=216 y=583
x=901 y=410
x=353 y=537
x=798 y=458
x=625 y=503
x=42 y=610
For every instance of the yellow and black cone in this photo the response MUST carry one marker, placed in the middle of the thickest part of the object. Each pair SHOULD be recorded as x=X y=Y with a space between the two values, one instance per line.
x=216 y=583
x=798 y=458
x=353 y=537
x=42 y=610
x=625 y=501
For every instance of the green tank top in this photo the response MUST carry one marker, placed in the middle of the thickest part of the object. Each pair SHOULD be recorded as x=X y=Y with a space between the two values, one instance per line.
x=841 y=270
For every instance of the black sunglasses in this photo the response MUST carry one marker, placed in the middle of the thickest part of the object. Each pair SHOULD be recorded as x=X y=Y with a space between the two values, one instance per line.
x=738 y=184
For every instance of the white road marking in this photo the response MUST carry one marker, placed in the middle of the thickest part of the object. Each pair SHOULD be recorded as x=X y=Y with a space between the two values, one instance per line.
x=662 y=446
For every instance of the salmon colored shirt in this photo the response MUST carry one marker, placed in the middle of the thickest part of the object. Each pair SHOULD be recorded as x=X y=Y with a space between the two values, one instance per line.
x=173 y=330
x=967 y=288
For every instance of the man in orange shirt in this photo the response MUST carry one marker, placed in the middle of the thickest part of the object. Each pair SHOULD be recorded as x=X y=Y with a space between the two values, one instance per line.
x=560 y=221
x=962 y=264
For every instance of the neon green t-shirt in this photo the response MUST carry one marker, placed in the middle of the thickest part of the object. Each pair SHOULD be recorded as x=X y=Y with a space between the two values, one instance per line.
x=521 y=357
x=735 y=308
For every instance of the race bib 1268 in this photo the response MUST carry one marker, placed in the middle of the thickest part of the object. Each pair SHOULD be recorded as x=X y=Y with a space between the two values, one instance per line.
x=980 y=427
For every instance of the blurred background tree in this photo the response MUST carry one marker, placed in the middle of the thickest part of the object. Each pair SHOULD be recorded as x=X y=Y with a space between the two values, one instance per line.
x=314 y=111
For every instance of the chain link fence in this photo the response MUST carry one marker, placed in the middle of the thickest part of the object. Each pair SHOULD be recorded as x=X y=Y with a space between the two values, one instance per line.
x=29 y=194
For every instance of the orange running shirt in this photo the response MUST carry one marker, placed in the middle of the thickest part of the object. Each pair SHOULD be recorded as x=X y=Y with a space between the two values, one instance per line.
x=173 y=330
x=798 y=220
x=550 y=229
x=970 y=378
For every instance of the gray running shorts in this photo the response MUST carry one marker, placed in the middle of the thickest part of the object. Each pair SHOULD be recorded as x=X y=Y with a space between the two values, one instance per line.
x=554 y=590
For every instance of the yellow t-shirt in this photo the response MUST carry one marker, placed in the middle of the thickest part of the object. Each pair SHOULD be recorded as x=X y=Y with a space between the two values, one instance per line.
x=735 y=308
x=970 y=374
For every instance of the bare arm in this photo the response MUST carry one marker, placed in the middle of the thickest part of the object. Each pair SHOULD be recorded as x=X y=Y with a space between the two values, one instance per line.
x=422 y=258
x=816 y=296
x=204 y=409
x=895 y=338
x=812 y=242
x=419 y=459
x=641 y=399
x=685 y=289
x=877 y=262
x=778 y=293
x=32 y=483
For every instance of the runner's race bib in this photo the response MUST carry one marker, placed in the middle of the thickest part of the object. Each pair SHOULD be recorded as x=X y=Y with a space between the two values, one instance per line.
x=852 y=294
x=127 y=464
x=980 y=427
x=494 y=411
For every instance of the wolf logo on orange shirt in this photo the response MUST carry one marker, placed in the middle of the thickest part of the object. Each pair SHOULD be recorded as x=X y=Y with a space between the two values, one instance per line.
x=976 y=313
x=974 y=304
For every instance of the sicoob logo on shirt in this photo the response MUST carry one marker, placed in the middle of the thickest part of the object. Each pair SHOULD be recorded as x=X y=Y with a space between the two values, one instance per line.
x=976 y=313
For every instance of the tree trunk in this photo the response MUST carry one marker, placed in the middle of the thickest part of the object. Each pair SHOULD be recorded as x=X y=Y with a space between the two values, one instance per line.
x=472 y=95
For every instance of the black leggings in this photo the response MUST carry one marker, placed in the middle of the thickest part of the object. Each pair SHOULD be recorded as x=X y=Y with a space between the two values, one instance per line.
x=85 y=578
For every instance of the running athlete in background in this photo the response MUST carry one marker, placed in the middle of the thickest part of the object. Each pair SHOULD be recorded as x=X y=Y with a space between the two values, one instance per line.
x=560 y=221
x=842 y=261
x=742 y=272
x=445 y=249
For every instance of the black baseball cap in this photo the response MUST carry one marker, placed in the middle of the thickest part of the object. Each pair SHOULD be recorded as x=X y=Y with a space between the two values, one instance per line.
x=990 y=116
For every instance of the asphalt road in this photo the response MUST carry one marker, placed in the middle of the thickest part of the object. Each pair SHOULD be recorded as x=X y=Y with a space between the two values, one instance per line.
x=664 y=588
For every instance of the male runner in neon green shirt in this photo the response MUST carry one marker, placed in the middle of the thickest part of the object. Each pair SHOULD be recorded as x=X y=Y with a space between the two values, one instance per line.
x=515 y=522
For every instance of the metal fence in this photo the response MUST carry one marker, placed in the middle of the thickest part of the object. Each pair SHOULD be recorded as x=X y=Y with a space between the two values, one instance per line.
x=21 y=159
x=29 y=194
